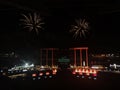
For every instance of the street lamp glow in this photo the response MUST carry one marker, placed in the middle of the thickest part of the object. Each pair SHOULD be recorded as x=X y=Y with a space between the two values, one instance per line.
x=26 y=64
x=32 y=65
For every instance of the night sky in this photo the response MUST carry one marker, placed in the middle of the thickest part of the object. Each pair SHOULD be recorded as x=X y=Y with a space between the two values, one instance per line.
x=58 y=15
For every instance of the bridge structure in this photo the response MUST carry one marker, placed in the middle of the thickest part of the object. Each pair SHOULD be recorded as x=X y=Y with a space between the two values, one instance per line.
x=49 y=53
x=46 y=54
x=80 y=49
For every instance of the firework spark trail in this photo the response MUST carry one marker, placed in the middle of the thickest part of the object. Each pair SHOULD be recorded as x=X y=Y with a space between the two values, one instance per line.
x=32 y=22
x=80 y=28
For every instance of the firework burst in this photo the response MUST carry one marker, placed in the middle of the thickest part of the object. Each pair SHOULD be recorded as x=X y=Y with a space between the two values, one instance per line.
x=33 y=22
x=80 y=28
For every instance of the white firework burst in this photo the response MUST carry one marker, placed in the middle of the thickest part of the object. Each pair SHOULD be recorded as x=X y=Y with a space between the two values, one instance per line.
x=32 y=22
x=80 y=28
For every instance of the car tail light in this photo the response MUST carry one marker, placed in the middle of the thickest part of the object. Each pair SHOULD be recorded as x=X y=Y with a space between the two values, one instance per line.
x=83 y=70
x=90 y=70
x=80 y=73
x=87 y=72
x=40 y=74
x=34 y=75
x=74 y=72
x=94 y=73
x=47 y=73
x=55 y=70
x=54 y=73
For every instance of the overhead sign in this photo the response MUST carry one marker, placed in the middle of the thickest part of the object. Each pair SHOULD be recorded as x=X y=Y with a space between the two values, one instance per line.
x=63 y=60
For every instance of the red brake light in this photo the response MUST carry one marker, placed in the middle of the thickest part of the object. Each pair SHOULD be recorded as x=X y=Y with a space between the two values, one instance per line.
x=34 y=75
x=54 y=73
x=80 y=71
x=55 y=70
x=83 y=70
x=73 y=72
x=40 y=74
x=90 y=71
x=47 y=73
x=87 y=72
x=76 y=70
x=94 y=72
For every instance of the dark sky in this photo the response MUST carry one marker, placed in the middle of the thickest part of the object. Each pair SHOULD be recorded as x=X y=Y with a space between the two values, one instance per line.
x=104 y=18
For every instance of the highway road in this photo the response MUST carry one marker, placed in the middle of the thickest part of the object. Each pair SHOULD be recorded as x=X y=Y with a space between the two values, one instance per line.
x=65 y=80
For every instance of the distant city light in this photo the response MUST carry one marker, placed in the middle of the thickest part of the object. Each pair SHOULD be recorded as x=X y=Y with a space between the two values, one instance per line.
x=1 y=70
x=114 y=65
x=97 y=67
x=26 y=64
x=42 y=66
x=32 y=65
x=24 y=70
